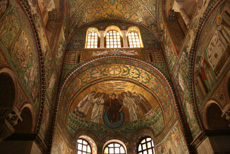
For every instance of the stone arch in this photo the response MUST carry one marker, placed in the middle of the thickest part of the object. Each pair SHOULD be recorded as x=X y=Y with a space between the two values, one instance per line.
x=28 y=110
x=91 y=142
x=138 y=135
x=8 y=88
x=25 y=126
x=115 y=141
x=213 y=119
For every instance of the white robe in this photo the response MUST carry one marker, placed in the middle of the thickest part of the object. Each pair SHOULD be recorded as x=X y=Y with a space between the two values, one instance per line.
x=85 y=103
x=97 y=110
x=132 y=108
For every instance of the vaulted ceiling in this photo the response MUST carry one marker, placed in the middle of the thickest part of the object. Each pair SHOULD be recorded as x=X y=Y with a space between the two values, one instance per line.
x=82 y=12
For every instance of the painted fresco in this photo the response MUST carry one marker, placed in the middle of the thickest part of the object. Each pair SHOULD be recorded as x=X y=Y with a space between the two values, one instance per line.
x=213 y=56
x=129 y=84
x=90 y=11
x=173 y=143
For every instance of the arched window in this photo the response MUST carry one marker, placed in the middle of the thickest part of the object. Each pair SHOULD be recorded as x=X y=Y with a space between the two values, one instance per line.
x=114 y=147
x=146 y=146
x=134 y=37
x=113 y=37
x=92 y=38
x=83 y=147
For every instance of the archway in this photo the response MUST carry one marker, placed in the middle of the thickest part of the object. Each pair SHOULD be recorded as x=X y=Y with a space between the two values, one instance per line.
x=24 y=126
x=214 y=119
x=7 y=90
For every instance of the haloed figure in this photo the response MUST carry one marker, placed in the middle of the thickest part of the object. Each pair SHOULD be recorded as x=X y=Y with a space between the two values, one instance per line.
x=115 y=108
x=84 y=105
x=129 y=102
x=98 y=107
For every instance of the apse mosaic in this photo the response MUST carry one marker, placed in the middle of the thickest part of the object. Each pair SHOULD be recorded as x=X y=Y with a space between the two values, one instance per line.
x=116 y=93
x=111 y=103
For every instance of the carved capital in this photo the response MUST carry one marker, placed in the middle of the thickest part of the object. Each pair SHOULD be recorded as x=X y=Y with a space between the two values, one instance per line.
x=13 y=118
x=8 y=119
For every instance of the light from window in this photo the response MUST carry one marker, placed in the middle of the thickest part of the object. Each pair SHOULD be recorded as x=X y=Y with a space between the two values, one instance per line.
x=146 y=146
x=113 y=39
x=83 y=147
x=134 y=41
x=92 y=40
x=114 y=148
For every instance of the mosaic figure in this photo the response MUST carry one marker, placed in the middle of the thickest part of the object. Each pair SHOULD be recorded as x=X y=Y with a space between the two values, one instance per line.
x=129 y=102
x=84 y=105
x=115 y=107
x=98 y=107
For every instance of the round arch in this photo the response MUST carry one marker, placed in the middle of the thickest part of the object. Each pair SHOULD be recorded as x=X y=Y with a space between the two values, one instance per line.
x=8 y=88
x=114 y=141
x=213 y=116
x=26 y=125
x=28 y=109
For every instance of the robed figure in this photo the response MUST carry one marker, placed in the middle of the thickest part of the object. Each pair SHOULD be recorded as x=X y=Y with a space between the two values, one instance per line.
x=114 y=110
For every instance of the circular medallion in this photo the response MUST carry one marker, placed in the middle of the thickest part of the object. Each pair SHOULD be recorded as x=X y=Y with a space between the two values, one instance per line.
x=113 y=120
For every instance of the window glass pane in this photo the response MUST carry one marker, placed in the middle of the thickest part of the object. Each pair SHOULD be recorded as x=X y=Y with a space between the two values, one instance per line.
x=112 y=38
x=106 y=150
x=149 y=145
x=146 y=146
x=114 y=148
x=150 y=151
x=117 y=150
x=122 y=149
x=79 y=147
x=83 y=147
x=139 y=148
x=111 y=150
x=133 y=39
x=92 y=40
x=88 y=149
